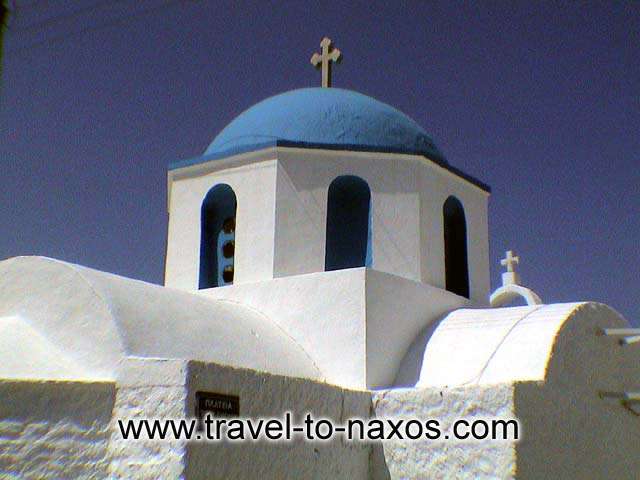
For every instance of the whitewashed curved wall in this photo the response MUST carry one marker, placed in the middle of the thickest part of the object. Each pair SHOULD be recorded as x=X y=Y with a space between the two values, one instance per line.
x=95 y=319
x=557 y=343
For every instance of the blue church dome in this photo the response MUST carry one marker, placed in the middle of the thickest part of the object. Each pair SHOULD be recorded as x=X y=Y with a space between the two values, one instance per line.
x=326 y=118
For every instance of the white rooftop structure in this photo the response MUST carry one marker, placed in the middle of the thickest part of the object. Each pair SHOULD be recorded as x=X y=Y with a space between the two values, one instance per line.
x=81 y=323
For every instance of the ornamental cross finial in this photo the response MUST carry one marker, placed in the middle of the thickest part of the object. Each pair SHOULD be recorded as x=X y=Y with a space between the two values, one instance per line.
x=512 y=288
x=510 y=277
x=324 y=60
x=509 y=261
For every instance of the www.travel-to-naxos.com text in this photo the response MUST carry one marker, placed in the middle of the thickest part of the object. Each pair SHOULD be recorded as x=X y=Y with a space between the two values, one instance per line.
x=318 y=429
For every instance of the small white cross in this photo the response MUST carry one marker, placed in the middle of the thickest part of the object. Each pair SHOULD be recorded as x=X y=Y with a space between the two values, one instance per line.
x=324 y=60
x=509 y=261
x=512 y=287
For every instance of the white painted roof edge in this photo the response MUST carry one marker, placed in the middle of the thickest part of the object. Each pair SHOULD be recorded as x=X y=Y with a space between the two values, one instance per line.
x=498 y=345
x=96 y=318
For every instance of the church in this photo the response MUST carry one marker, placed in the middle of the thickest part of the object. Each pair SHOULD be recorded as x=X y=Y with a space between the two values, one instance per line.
x=322 y=256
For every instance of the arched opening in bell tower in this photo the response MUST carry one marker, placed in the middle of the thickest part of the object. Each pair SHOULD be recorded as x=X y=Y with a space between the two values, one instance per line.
x=218 y=232
x=455 y=247
x=348 y=237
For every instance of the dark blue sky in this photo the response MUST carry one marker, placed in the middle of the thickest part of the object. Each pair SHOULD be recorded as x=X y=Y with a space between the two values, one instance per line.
x=541 y=100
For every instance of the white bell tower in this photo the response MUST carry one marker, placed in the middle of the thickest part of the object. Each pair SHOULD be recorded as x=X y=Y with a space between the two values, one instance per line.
x=336 y=216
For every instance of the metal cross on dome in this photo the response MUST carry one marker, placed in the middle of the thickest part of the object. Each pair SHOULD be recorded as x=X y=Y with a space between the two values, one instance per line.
x=324 y=60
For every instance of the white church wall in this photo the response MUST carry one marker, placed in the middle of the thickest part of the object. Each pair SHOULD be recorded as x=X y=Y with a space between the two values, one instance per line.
x=418 y=460
x=567 y=382
x=357 y=324
x=55 y=429
x=253 y=180
x=394 y=205
x=565 y=432
x=398 y=310
x=163 y=388
x=264 y=395
x=570 y=432
x=322 y=312
x=436 y=185
x=476 y=207
x=300 y=227
x=583 y=358
x=408 y=193
x=148 y=389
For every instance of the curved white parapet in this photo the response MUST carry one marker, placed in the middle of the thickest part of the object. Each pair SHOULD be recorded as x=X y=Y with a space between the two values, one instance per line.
x=559 y=343
x=508 y=293
x=94 y=319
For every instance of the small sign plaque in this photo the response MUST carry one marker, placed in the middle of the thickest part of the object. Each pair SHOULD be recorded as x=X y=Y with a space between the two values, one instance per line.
x=217 y=405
